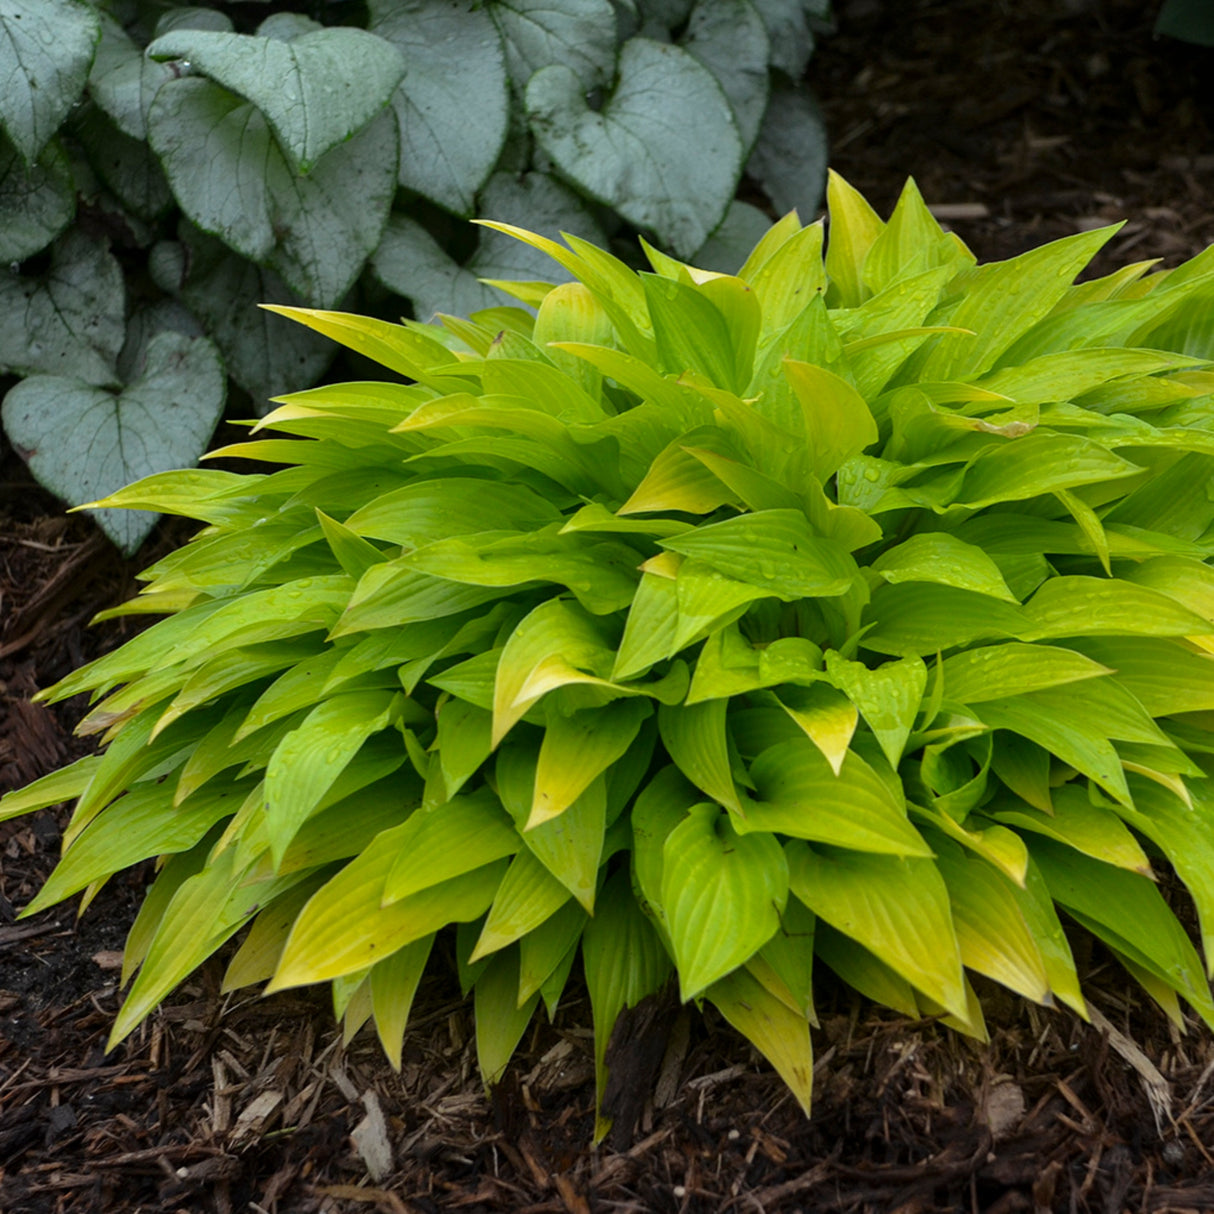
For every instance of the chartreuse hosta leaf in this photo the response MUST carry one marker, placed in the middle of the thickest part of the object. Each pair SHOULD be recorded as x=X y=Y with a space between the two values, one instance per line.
x=776 y=1030
x=898 y=908
x=501 y=1017
x=570 y=846
x=857 y=606
x=722 y=894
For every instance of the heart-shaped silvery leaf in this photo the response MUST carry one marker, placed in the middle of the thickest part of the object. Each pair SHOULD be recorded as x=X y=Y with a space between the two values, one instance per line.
x=46 y=47
x=315 y=91
x=792 y=40
x=664 y=150
x=70 y=320
x=730 y=39
x=410 y=261
x=264 y=353
x=227 y=172
x=35 y=204
x=83 y=442
x=730 y=245
x=215 y=149
x=123 y=81
x=453 y=101
x=329 y=222
x=126 y=165
x=581 y=34
x=789 y=158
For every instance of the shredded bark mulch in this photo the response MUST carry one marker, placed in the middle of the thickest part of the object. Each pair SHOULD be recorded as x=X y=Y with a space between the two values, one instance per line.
x=1022 y=122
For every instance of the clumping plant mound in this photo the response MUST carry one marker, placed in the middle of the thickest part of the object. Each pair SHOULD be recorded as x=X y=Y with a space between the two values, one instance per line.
x=855 y=608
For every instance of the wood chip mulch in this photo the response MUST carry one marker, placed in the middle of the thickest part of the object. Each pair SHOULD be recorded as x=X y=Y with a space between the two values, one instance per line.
x=1022 y=122
x=246 y=1104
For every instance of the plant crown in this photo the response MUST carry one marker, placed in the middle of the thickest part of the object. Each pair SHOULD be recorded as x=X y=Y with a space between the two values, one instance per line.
x=855 y=607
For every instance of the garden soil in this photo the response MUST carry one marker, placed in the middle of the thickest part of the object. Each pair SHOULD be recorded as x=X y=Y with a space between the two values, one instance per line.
x=1023 y=121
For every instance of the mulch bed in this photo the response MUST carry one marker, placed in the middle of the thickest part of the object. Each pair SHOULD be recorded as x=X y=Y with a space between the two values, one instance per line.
x=1022 y=122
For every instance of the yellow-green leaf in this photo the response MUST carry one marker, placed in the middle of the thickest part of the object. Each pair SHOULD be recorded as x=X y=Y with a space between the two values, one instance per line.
x=569 y=846
x=392 y=984
x=827 y=716
x=797 y=793
x=578 y=748
x=994 y=671
x=500 y=1020
x=888 y=697
x=345 y=926
x=775 y=550
x=777 y=1032
x=695 y=738
x=624 y=962
x=528 y=896
x=1075 y=821
x=836 y=418
x=995 y=940
x=440 y=842
x=722 y=894
x=895 y=907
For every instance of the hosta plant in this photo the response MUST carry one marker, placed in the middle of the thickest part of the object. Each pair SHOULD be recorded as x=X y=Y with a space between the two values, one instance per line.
x=695 y=628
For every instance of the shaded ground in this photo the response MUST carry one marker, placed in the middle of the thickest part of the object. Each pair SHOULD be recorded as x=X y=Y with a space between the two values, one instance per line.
x=1024 y=121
